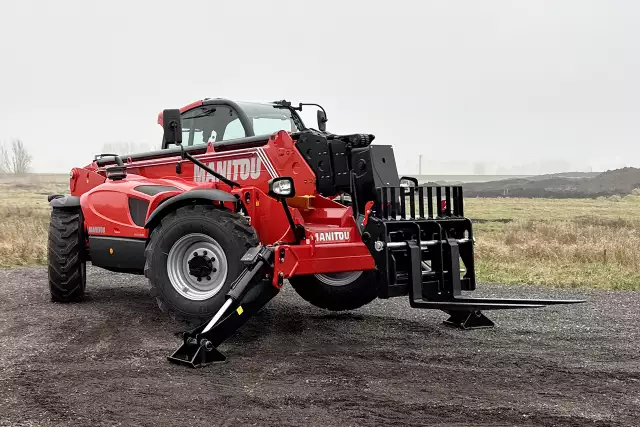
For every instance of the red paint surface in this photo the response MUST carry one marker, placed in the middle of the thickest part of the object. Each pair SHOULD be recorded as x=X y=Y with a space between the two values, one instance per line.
x=105 y=203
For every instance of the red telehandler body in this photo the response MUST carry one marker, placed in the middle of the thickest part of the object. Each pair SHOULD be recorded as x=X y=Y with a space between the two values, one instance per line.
x=243 y=197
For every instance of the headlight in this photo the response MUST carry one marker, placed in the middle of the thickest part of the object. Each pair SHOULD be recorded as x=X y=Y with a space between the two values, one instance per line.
x=281 y=187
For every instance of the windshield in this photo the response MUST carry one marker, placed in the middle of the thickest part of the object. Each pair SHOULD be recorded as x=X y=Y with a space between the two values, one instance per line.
x=215 y=123
x=267 y=119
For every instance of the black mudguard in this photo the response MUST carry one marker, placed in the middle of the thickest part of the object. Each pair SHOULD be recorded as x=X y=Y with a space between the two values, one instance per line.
x=60 y=202
x=185 y=198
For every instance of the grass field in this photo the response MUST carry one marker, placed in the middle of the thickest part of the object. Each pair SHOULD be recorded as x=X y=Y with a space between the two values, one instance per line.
x=24 y=217
x=558 y=242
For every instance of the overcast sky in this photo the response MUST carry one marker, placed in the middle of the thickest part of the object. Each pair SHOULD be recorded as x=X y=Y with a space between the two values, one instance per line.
x=529 y=87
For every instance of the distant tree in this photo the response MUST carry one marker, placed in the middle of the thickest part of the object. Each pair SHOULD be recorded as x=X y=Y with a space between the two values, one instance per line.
x=4 y=159
x=20 y=157
x=125 y=147
x=16 y=160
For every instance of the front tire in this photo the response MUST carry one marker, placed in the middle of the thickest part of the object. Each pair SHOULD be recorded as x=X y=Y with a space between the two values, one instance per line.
x=193 y=257
x=337 y=291
x=66 y=253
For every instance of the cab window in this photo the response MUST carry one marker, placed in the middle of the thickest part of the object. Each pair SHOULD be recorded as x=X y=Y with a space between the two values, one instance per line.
x=234 y=130
x=268 y=125
x=210 y=123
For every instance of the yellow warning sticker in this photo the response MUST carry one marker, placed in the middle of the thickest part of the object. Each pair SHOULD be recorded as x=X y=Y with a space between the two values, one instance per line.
x=239 y=310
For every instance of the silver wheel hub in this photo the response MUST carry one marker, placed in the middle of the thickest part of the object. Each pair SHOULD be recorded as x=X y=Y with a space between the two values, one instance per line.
x=197 y=266
x=338 y=279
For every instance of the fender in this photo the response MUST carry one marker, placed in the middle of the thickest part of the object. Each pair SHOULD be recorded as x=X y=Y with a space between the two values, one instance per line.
x=185 y=198
x=61 y=202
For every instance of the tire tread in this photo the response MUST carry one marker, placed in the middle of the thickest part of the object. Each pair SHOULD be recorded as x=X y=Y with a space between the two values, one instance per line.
x=65 y=255
x=336 y=298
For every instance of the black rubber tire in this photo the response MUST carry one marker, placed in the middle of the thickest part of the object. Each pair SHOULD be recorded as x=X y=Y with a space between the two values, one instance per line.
x=230 y=230
x=66 y=252
x=350 y=296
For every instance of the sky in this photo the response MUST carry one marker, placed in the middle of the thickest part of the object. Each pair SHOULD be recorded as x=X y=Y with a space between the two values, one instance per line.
x=506 y=87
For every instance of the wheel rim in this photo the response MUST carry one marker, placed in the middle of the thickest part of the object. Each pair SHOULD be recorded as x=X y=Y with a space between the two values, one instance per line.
x=197 y=266
x=339 y=279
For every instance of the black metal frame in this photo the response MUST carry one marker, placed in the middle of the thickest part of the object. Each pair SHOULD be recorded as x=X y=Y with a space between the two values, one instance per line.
x=419 y=253
x=402 y=236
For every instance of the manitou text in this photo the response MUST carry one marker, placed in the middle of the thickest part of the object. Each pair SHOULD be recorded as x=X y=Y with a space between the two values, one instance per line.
x=332 y=236
x=233 y=169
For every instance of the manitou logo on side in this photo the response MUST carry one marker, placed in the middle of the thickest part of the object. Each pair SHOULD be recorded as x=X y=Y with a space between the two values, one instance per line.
x=233 y=169
x=332 y=236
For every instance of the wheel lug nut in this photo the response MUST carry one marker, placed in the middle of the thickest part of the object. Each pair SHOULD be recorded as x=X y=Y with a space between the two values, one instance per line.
x=204 y=253
x=208 y=277
x=195 y=254
x=199 y=279
x=214 y=270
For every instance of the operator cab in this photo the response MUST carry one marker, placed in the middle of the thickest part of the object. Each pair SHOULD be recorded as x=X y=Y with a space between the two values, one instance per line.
x=216 y=120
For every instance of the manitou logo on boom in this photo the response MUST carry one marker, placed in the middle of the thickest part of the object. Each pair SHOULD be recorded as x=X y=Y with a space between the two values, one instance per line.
x=233 y=169
x=332 y=236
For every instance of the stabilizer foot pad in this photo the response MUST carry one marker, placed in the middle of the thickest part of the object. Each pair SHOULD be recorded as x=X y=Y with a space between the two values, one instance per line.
x=473 y=319
x=196 y=356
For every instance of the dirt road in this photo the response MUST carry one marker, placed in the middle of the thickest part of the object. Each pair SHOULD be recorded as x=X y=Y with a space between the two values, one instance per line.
x=102 y=362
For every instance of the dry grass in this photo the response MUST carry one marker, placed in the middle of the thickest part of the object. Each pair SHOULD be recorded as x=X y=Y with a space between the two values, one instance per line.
x=559 y=242
x=575 y=242
x=24 y=217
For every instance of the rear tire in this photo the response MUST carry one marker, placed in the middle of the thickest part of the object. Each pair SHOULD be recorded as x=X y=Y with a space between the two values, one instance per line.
x=337 y=291
x=196 y=228
x=66 y=251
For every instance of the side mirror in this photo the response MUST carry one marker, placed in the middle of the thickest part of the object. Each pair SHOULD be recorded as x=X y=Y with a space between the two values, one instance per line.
x=408 y=181
x=322 y=121
x=172 y=124
x=281 y=187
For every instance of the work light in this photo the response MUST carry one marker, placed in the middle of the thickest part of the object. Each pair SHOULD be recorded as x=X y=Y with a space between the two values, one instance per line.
x=281 y=187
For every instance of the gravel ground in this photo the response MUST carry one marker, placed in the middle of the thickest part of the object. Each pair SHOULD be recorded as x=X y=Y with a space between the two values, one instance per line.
x=102 y=362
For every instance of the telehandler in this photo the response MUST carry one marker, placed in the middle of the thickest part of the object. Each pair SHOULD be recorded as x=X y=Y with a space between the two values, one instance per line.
x=243 y=197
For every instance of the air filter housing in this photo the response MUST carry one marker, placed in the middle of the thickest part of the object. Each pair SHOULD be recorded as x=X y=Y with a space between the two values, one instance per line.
x=116 y=172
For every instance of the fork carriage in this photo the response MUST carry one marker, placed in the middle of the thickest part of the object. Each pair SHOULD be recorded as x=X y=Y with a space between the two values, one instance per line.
x=421 y=247
x=430 y=257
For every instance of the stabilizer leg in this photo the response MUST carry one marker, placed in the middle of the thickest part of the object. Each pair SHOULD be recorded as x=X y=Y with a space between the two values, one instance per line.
x=468 y=319
x=199 y=348
x=249 y=293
